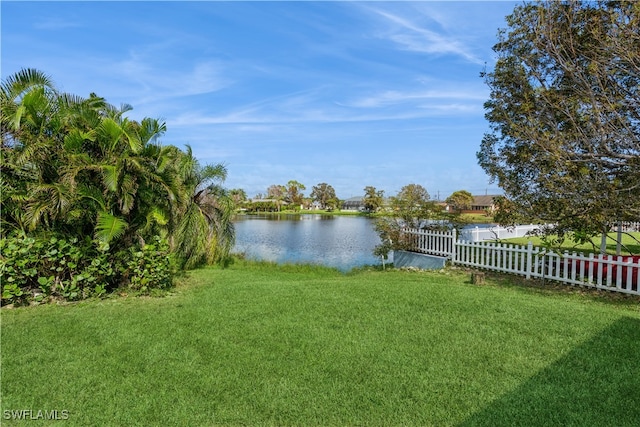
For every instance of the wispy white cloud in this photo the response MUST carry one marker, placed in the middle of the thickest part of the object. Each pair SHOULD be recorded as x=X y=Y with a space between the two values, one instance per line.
x=350 y=93
x=339 y=104
x=57 y=23
x=412 y=35
x=451 y=108
x=153 y=82
x=395 y=97
x=310 y=115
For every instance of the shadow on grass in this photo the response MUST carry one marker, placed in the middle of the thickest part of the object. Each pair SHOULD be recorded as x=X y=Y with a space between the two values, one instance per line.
x=633 y=249
x=596 y=384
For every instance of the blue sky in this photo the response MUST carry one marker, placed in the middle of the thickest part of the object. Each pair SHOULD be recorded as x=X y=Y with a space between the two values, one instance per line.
x=348 y=93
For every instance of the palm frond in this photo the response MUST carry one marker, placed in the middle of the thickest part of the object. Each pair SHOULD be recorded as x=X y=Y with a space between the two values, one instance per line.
x=69 y=100
x=158 y=216
x=16 y=118
x=110 y=175
x=216 y=172
x=128 y=190
x=92 y=193
x=129 y=130
x=35 y=213
x=109 y=227
x=124 y=107
x=151 y=130
x=74 y=140
x=111 y=131
x=14 y=86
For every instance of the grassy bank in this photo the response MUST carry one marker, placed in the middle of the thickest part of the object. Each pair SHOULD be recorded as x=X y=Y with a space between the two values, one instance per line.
x=257 y=344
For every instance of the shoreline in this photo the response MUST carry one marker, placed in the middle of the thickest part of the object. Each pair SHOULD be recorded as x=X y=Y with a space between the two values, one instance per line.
x=476 y=219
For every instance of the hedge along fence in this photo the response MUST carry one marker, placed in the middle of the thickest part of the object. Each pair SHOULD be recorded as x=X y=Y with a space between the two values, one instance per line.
x=614 y=273
x=41 y=269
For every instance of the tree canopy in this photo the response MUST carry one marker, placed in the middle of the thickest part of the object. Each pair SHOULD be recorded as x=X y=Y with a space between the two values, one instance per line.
x=564 y=113
x=460 y=200
x=294 y=192
x=325 y=195
x=412 y=208
x=412 y=205
x=373 y=199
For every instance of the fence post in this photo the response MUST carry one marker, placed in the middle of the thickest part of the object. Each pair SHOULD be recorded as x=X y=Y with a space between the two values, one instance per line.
x=529 y=259
x=453 y=246
x=619 y=242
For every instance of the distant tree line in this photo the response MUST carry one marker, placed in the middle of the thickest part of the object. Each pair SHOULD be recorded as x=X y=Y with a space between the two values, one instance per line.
x=290 y=197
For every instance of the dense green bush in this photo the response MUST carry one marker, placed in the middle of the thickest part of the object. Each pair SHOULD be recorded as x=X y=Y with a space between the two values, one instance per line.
x=149 y=267
x=262 y=206
x=40 y=269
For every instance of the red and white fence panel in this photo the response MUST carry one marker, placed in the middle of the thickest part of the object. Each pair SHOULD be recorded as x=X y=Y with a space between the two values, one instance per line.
x=614 y=273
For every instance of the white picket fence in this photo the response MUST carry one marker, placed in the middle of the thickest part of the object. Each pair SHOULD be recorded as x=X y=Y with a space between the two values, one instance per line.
x=478 y=234
x=614 y=273
x=440 y=243
x=630 y=226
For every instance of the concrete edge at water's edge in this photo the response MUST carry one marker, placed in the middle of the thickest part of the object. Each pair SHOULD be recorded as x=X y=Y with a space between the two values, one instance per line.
x=416 y=260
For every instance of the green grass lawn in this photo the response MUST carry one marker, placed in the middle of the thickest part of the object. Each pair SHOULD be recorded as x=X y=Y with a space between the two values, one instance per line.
x=257 y=344
x=479 y=218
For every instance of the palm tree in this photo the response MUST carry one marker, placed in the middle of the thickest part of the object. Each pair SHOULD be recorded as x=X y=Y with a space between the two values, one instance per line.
x=373 y=199
x=205 y=233
x=31 y=125
x=78 y=166
x=238 y=195
x=21 y=95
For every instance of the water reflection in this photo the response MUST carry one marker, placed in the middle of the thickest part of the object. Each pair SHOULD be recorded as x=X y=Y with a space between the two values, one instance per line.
x=336 y=241
x=286 y=217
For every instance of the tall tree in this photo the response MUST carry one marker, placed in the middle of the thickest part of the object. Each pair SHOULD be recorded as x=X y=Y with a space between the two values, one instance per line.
x=238 y=195
x=278 y=193
x=411 y=208
x=28 y=100
x=460 y=200
x=325 y=195
x=412 y=205
x=564 y=114
x=373 y=199
x=294 y=193
x=43 y=132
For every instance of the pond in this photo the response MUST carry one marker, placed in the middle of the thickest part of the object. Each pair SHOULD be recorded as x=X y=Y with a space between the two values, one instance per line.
x=343 y=242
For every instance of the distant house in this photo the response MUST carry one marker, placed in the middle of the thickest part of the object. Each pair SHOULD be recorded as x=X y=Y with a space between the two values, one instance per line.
x=443 y=206
x=353 y=204
x=483 y=204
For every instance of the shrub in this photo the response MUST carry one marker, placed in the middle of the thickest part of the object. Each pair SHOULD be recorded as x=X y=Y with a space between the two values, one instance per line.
x=149 y=267
x=39 y=269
